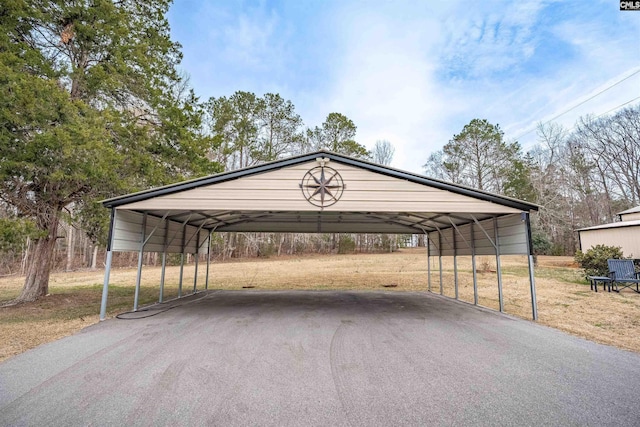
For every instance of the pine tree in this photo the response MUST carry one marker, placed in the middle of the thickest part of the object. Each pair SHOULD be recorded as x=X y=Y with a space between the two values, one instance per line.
x=91 y=105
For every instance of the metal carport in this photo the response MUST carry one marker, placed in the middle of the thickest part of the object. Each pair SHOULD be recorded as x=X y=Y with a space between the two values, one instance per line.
x=316 y=193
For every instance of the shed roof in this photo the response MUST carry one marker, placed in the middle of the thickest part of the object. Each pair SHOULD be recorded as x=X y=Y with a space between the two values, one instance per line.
x=629 y=211
x=634 y=223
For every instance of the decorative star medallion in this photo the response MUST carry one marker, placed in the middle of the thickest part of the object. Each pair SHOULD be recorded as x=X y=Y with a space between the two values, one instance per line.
x=322 y=186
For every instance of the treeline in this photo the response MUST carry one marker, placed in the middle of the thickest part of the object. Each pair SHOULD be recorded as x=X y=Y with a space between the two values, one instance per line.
x=585 y=176
x=579 y=177
x=247 y=130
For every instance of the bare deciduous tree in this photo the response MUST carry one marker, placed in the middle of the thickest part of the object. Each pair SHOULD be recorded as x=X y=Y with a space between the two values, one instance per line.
x=383 y=152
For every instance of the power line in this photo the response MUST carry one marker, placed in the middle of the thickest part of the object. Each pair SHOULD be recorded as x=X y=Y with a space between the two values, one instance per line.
x=607 y=112
x=600 y=115
x=615 y=108
x=583 y=102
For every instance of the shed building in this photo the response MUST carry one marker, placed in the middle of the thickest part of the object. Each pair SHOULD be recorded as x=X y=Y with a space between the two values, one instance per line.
x=630 y=214
x=624 y=233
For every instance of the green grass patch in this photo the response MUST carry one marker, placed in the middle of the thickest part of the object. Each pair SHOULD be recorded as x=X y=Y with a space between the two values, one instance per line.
x=569 y=275
x=73 y=302
x=582 y=293
x=8 y=294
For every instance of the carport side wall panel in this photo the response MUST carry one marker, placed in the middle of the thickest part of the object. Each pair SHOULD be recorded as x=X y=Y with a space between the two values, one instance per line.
x=280 y=190
x=512 y=231
x=127 y=227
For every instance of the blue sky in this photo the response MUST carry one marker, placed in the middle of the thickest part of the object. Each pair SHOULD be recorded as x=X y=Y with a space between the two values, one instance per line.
x=415 y=72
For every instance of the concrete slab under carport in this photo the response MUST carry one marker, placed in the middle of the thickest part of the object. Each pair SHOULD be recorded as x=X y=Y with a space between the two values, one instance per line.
x=320 y=358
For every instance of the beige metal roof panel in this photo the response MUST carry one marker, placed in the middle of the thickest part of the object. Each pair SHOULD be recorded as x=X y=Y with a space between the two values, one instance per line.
x=361 y=170
x=274 y=198
x=613 y=225
x=629 y=211
x=281 y=190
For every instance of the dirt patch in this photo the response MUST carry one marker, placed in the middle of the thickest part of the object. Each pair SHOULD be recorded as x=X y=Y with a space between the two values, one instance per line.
x=557 y=261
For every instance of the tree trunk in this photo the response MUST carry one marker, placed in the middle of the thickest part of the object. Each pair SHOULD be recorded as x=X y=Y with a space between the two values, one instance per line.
x=25 y=258
x=94 y=257
x=282 y=238
x=70 y=248
x=36 y=284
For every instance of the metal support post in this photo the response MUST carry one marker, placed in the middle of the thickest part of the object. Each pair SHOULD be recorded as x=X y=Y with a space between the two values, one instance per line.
x=196 y=256
x=206 y=280
x=165 y=244
x=428 y=262
x=455 y=261
x=471 y=248
x=105 y=286
x=140 y=257
x=496 y=245
x=182 y=260
x=107 y=268
x=498 y=267
x=440 y=237
x=440 y=261
x=181 y=230
x=532 y=281
x=473 y=265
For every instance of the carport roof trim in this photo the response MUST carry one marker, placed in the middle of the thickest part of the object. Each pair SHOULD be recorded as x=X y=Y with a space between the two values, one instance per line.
x=278 y=164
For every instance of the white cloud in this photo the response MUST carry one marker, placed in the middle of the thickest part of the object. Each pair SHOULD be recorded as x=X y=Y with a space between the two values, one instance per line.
x=227 y=49
x=383 y=80
x=482 y=40
x=250 y=39
x=391 y=73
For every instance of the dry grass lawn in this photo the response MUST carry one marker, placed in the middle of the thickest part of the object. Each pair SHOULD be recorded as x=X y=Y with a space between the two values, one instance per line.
x=565 y=301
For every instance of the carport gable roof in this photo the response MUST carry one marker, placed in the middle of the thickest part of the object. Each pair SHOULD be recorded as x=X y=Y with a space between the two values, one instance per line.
x=279 y=164
x=275 y=197
x=289 y=196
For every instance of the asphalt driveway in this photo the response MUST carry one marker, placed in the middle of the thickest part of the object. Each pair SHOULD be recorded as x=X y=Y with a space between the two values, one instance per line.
x=320 y=358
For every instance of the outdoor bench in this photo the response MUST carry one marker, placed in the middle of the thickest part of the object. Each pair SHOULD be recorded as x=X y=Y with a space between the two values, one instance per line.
x=594 y=280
